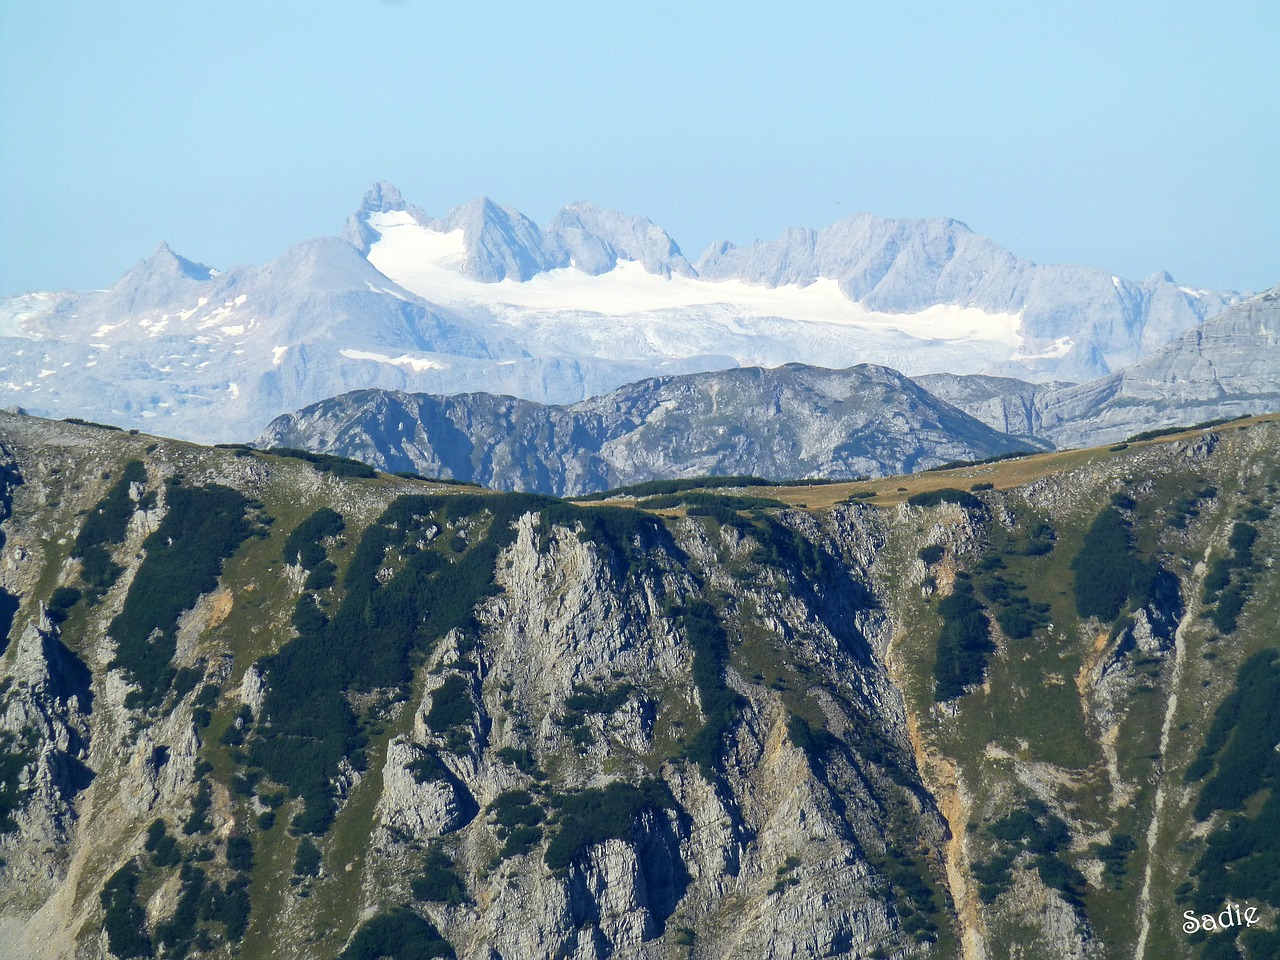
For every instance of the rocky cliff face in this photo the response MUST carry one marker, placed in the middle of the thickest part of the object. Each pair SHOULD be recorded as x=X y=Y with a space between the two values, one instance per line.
x=255 y=707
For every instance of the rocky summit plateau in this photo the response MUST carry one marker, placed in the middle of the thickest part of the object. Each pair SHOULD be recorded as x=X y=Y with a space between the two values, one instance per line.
x=484 y=299
x=258 y=705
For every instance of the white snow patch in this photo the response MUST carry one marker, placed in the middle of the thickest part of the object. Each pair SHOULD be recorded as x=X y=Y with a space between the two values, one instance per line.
x=16 y=311
x=385 y=290
x=234 y=390
x=1061 y=347
x=277 y=354
x=416 y=364
x=235 y=330
x=47 y=373
x=428 y=262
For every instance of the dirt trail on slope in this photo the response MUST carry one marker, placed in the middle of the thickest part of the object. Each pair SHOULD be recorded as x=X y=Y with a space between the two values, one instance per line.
x=942 y=778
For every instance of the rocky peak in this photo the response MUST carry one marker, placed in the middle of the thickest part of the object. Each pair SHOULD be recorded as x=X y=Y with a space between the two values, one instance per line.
x=596 y=238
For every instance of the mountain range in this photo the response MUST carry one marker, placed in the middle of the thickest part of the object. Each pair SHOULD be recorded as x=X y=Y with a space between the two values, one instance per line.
x=795 y=420
x=483 y=299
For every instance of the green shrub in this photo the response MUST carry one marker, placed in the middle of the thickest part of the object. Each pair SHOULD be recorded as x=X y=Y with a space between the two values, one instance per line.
x=306 y=863
x=105 y=526
x=451 y=704
x=427 y=767
x=814 y=741
x=720 y=705
x=1104 y=568
x=439 y=881
x=1040 y=540
x=327 y=463
x=184 y=557
x=305 y=544
x=654 y=488
x=957 y=464
x=176 y=934
x=713 y=501
x=516 y=817
x=964 y=642
x=592 y=816
x=163 y=848
x=1169 y=431
x=1034 y=830
x=398 y=935
x=1115 y=857
x=932 y=554
x=932 y=498
x=1228 y=580
x=522 y=760
x=124 y=920
x=239 y=853
x=59 y=607
x=198 y=822
x=230 y=907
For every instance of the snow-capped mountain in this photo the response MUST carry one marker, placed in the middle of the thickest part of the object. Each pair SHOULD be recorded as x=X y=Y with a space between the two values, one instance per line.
x=485 y=299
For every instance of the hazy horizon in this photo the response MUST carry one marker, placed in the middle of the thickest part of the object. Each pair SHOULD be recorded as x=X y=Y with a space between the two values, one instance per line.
x=1102 y=135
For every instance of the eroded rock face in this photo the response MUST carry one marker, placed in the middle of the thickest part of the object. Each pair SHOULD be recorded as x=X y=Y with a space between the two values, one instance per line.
x=611 y=733
x=45 y=723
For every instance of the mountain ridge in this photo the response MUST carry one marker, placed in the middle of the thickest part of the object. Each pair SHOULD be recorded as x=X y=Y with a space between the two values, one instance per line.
x=412 y=302
x=790 y=422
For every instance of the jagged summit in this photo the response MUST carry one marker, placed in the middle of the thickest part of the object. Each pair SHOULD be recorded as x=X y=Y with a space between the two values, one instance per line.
x=167 y=260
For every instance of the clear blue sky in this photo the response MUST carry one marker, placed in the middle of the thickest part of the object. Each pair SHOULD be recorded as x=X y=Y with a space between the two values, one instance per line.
x=1131 y=136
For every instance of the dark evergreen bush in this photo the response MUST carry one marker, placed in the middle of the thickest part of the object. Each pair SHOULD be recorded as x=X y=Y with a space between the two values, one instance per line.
x=124 y=919
x=305 y=544
x=932 y=498
x=327 y=463
x=240 y=853
x=306 y=863
x=176 y=935
x=1241 y=859
x=451 y=704
x=720 y=705
x=163 y=848
x=8 y=609
x=1105 y=567
x=932 y=554
x=398 y=935
x=964 y=642
x=439 y=881
x=105 y=526
x=184 y=557
x=654 y=488
x=592 y=816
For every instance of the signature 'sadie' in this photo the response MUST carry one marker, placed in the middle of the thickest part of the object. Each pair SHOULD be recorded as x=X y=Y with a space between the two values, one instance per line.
x=1231 y=916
